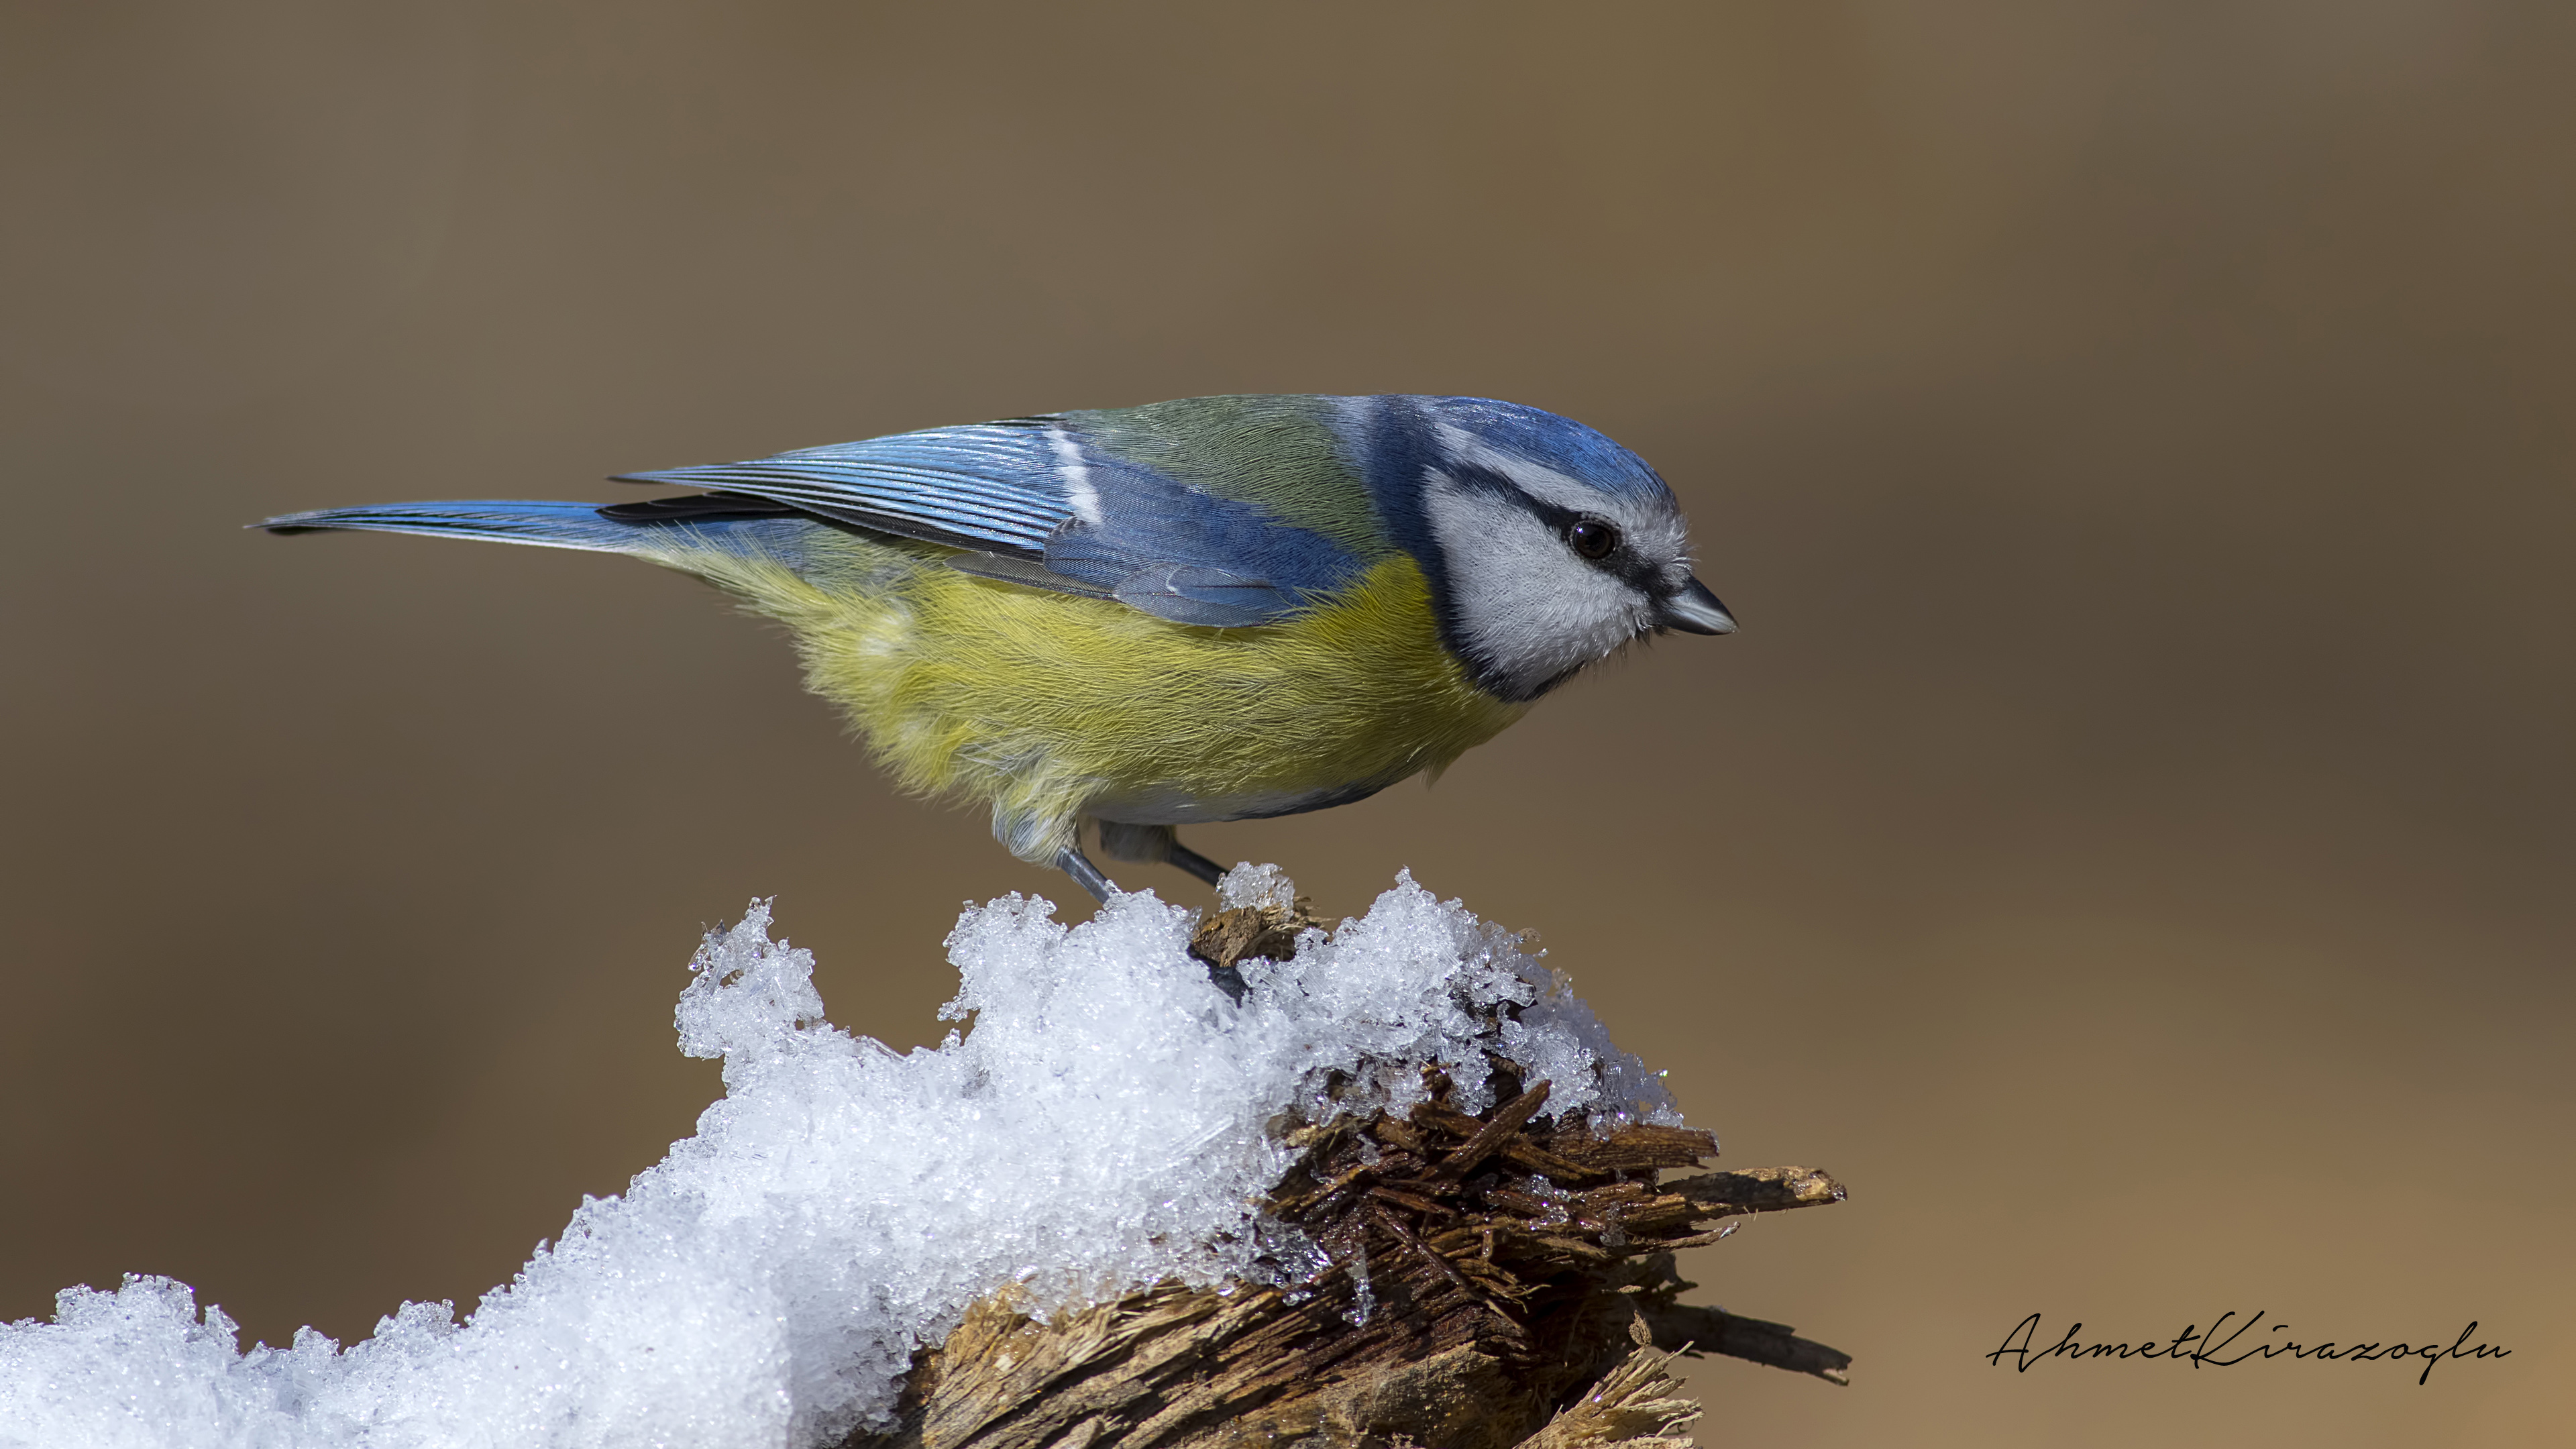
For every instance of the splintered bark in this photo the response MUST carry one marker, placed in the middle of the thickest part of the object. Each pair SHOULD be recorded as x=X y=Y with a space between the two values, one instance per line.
x=1497 y=1281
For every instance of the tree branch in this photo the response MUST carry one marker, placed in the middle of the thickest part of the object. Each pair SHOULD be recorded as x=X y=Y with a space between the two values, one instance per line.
x=1495 y=1281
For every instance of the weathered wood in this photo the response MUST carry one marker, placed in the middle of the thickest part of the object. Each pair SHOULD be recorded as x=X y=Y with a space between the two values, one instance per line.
x=1762 y=1190
x=1491 y=1135
x=1496 y=1281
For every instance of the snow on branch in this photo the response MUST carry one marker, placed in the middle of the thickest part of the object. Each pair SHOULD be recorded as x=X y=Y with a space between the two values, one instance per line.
x=1184 y=1182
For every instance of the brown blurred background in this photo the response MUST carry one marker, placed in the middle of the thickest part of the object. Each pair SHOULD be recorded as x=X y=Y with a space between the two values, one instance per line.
x=2129 y=843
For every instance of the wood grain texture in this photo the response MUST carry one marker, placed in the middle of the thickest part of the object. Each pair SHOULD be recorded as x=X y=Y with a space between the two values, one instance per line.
x=1496 y=1280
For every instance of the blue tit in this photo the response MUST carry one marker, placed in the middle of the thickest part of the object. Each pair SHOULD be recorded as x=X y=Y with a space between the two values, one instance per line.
x=1219 y=608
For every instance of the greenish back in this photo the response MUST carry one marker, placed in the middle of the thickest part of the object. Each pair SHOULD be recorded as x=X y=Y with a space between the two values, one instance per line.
x=1278 y=453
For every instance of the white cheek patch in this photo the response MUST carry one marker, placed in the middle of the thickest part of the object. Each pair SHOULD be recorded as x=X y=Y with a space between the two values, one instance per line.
x=1076 y=473
x=1526 y=608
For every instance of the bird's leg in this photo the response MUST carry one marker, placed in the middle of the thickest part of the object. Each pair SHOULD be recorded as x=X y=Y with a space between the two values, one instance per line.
x=1196 y=864
x=1086 y=875
x=1157 y=844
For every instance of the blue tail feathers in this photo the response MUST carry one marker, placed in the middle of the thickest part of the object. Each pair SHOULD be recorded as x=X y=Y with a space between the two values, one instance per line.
x=539 y=521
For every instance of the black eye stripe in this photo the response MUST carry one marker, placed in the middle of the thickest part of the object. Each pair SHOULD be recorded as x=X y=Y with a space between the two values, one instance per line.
x=1617 y=560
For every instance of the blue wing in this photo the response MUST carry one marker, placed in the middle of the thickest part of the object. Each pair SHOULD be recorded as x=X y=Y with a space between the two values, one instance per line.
x=994 y=487
x=1183 y=554
x=1037 y=502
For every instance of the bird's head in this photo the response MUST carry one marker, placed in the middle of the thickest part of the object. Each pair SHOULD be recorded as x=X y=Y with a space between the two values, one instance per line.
x=1554 y=546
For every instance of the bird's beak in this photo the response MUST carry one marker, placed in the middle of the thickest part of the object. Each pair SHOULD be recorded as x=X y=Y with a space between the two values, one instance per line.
x=1696 y=611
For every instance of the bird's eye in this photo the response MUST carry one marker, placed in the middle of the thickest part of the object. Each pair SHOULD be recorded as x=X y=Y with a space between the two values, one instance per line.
x=1592 y=538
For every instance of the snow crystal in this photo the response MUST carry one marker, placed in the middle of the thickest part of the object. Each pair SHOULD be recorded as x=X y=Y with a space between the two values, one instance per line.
x=1106 y=1123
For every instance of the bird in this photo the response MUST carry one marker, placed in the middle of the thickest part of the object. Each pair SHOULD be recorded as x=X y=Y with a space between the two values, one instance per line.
x=1213 y=608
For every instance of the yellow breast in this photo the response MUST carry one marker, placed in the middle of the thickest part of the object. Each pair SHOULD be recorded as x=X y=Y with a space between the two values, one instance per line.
x=1053 y=706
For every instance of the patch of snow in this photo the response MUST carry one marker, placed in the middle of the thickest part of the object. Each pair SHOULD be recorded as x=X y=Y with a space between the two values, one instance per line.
x=1104 y=1125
